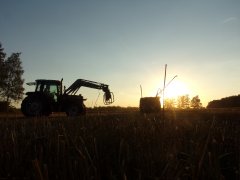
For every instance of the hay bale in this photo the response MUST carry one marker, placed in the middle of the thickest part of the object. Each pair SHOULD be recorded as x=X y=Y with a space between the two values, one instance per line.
x=150 y=104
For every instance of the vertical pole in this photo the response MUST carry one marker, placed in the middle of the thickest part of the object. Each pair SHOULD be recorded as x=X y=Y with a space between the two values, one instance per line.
x=165 y=73
x=141 y=90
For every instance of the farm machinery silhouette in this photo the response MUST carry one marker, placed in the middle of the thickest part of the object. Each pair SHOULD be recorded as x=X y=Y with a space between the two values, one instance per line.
x=49 y=97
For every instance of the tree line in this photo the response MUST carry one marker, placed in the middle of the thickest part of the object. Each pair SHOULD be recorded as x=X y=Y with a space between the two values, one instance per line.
x=11 y=81
x=227 y=102
x=183 y=102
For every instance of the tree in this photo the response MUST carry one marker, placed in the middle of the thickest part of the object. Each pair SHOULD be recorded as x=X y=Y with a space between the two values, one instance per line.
x=11 y=82
x=14 y=82
x=196 y=102
x=169 y=103
x=3 y=73
x=226 y=102
x=183 y=102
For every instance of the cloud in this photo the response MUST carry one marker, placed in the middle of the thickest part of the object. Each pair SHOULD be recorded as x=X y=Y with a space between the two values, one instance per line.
x=230 y=19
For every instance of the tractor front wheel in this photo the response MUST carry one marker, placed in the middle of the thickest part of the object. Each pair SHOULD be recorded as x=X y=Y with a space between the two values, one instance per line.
x=32 y=107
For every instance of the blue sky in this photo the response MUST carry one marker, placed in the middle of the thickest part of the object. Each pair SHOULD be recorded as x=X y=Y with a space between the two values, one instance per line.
x=127 y=43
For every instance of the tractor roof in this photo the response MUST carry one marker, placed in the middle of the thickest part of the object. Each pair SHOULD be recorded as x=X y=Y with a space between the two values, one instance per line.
x=44 y=81
x=48 y=81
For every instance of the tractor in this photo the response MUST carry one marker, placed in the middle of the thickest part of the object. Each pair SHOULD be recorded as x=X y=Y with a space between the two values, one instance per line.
x=49 y=96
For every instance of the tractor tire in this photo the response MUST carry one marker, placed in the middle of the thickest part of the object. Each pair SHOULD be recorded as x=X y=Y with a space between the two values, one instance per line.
x=32 y=107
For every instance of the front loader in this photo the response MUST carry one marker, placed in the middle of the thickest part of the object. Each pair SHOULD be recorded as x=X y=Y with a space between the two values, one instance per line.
x=49 y=97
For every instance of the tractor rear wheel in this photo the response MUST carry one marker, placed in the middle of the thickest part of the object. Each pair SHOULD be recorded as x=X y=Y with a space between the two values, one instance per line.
x=32 y=107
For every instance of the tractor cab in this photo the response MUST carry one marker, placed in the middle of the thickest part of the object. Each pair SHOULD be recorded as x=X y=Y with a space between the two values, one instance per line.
x=51 y=88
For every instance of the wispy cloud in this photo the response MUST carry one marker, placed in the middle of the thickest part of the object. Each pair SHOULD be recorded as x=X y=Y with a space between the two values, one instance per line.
x=230 y=19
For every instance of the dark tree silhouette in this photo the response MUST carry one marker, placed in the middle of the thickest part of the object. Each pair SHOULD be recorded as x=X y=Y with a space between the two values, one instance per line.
x=227 y=102
x=3 y=73
x=183 y=102
x=11 y=82
x=196 y=102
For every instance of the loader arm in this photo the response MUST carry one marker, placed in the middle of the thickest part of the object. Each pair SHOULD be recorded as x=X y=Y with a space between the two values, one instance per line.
x=73 y=89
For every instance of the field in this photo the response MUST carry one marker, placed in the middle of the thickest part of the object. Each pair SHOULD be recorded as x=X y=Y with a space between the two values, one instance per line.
x=191 y=144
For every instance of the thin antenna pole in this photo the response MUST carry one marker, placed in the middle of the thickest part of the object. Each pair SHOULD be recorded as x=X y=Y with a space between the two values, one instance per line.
x=141 y=90
x=95 y=105
x=161 y=90
x=170 y=81
x=164 y=86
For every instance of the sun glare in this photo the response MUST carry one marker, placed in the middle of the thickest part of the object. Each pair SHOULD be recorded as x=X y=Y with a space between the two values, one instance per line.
x=175 y=89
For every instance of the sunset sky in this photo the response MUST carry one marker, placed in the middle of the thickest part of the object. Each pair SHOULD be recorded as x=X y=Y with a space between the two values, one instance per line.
x=126 y=43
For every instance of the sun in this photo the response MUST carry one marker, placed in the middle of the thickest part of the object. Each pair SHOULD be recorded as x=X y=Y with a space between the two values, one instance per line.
x=176 y=88
x=173 y=89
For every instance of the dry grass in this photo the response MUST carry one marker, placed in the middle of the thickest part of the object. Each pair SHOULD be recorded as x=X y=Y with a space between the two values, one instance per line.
x=185 y=145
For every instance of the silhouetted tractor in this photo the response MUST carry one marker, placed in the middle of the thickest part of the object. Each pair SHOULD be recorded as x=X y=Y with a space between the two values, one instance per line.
x=49 y=97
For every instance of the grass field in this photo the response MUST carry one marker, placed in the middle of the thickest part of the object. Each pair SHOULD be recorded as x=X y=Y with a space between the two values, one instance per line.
x=122 y=145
